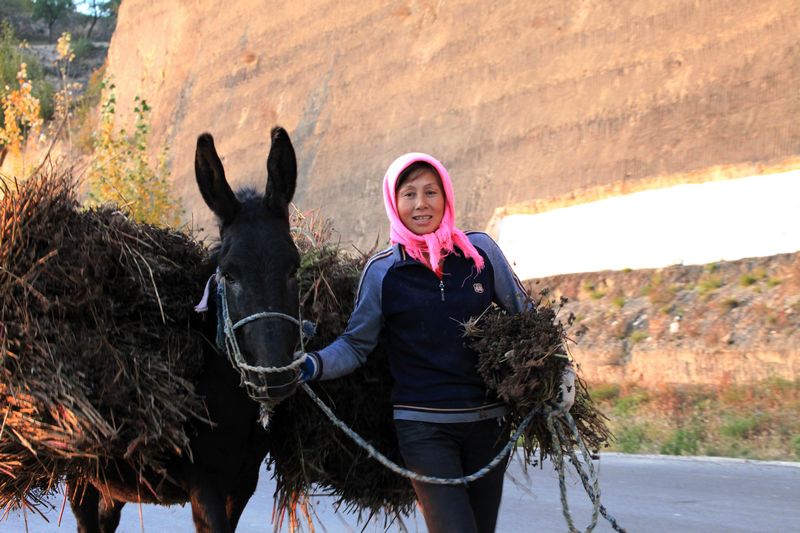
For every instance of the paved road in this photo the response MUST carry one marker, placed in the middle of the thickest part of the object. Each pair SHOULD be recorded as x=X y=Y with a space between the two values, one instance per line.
x=644 y=493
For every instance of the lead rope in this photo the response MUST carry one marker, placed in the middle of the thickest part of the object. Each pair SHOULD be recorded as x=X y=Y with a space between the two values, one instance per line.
x=557 y=435
x=589 y=479
x=394 y=467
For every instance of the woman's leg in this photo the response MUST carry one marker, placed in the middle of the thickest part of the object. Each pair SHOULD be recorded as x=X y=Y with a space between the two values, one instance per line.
x=482 y=444
x=434 y=450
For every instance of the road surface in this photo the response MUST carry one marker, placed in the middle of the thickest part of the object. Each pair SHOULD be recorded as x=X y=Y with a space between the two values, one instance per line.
x=644 y=493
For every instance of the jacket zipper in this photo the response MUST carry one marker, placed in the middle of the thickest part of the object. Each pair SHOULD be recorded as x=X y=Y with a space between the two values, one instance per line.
x=441 y=288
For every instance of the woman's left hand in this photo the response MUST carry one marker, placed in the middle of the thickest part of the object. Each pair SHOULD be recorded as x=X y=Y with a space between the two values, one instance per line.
x=566 y=392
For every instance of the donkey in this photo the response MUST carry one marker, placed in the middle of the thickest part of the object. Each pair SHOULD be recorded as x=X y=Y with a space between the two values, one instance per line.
x=255 y=266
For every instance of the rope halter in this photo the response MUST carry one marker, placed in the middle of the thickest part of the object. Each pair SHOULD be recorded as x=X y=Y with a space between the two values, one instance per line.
x=226 y=339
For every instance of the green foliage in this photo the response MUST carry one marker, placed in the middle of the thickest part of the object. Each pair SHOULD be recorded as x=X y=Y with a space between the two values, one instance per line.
x=631 y=439
x=46 y=94
x=739 y=427
x=596 y=295
x=618 y=301
x=772 y=282
x=50 y=11
x=758 y=420
x=604 y=392
x=84 y=112
x=658 y=291
x=683 y=441
x=709 y=284
x=745 y=280
x=625 y=405
x=82 y=47
x=12 y=55
x=122 y=172
x=15 y=7
x=638 y=336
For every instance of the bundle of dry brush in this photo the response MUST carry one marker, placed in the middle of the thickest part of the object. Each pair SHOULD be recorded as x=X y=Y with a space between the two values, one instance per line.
x=88 y=302
x=522 y=358
x=310 y=455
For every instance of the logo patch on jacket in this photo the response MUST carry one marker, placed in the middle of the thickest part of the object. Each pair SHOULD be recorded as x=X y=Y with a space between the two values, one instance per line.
x=478 y=288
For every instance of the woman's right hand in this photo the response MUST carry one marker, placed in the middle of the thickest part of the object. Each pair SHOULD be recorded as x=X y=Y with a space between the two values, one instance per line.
x=310 y=368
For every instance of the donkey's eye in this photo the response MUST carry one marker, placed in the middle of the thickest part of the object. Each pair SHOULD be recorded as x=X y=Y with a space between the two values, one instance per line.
x=227 y=278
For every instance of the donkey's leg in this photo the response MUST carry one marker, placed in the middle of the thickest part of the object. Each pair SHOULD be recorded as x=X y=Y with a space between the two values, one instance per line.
x=237 y=500
x=110 y=511
x=208 y=508
x=84 y=500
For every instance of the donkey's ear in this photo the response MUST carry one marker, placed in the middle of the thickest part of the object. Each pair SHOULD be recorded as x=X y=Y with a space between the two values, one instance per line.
x=281 y=171
x=211 y=180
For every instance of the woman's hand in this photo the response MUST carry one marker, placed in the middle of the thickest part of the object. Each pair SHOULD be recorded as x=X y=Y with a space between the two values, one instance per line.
x=310 y=368
x=566 y=391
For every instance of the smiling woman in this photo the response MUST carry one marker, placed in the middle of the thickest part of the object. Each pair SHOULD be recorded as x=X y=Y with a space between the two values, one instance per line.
x=420 y=199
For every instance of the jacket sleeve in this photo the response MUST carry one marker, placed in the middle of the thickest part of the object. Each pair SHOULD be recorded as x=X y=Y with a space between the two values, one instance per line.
x=509 y=292
x=351 y=348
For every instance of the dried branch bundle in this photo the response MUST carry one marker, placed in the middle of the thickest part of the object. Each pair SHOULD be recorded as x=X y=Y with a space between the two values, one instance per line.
x=96 y=355
x=522 y=358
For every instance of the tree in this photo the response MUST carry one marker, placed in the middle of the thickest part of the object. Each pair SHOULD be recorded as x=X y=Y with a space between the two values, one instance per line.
x=97 y=9
x=50 y=11
x=122 y=173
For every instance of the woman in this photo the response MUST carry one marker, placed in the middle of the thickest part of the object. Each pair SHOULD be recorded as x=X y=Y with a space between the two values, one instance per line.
x=419 y=292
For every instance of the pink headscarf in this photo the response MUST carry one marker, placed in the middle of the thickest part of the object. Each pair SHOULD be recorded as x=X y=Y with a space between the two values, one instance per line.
x=429 y=248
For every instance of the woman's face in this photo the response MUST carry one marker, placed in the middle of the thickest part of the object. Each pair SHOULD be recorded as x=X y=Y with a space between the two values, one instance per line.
x=420 y=202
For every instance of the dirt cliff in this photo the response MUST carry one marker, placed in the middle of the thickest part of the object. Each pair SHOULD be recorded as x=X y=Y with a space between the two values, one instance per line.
x=524 y=101
x=726 y=322
x=521 y=100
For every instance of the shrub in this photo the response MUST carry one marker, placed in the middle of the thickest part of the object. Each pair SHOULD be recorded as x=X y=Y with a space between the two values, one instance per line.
x=82 y=48
x=122 y=172
x=618 y=301
x=596 y=295
x=625 y=405
x=728 y=304
x=13 y=55
x=638 y=336
x=709 y=284
x=603 y=392
x=631 y=439
x=745 y=280
x=684 y=441
x=739 y=427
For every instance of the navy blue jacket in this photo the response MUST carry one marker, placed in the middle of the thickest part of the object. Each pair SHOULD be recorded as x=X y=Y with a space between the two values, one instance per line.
x=435 y=373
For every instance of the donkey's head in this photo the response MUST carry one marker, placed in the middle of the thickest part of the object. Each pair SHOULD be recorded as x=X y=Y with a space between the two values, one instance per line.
x=257 y=262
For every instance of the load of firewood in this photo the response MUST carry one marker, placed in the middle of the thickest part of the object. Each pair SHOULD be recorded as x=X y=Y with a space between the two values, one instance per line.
x=96 y=355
